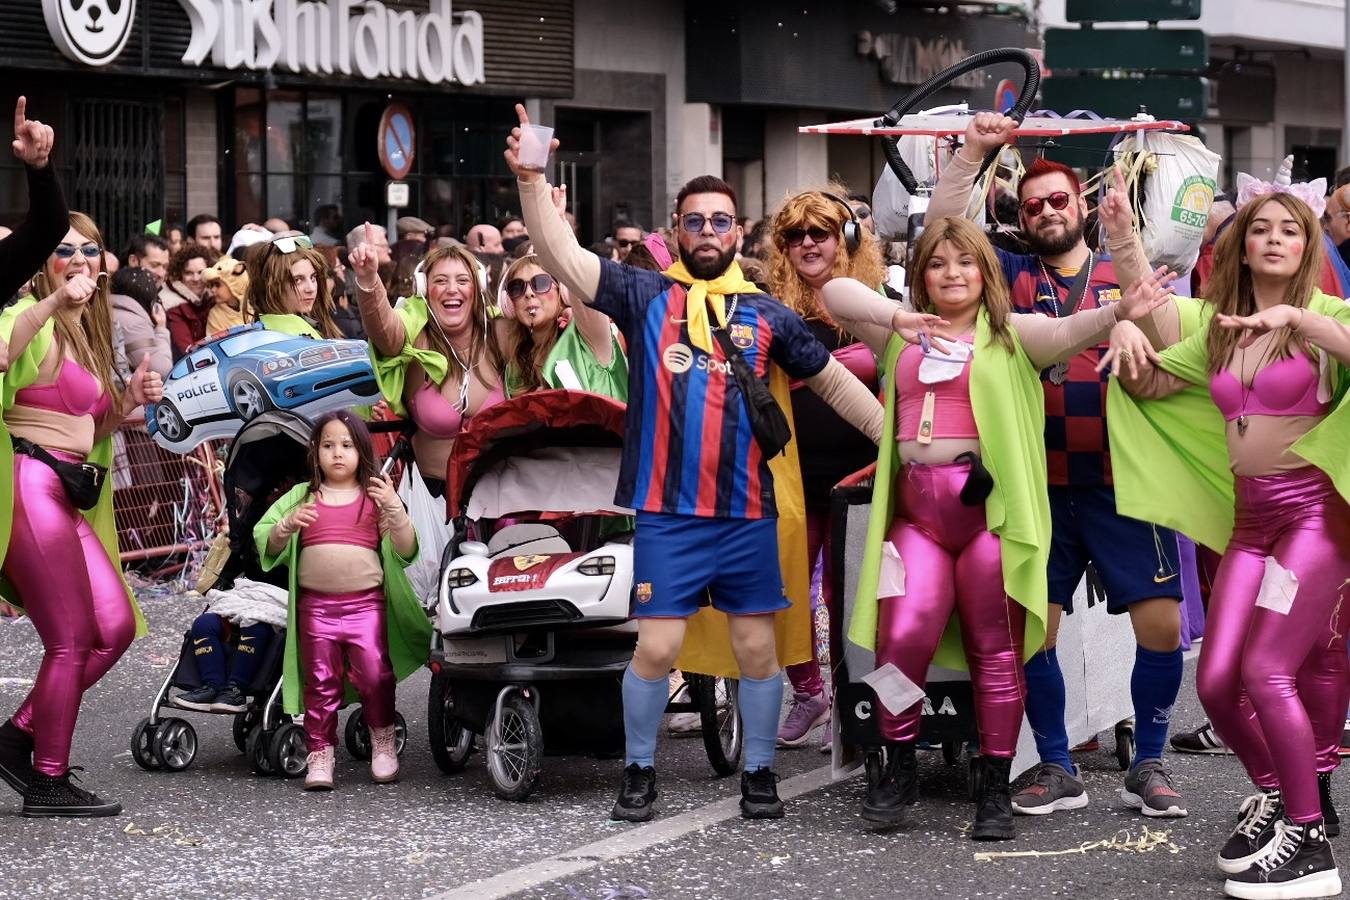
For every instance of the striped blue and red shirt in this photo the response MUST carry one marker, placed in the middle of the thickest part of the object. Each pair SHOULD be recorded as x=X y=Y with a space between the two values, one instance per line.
x=1076 y=449
x=688 y=448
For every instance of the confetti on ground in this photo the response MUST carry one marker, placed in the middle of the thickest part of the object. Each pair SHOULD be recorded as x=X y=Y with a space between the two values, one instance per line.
x=1147 y=841
x=180 y=839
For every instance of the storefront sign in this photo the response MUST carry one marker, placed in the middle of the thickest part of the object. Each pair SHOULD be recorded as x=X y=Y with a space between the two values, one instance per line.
x=347 y=37
x=92 y=32
x=906 y=59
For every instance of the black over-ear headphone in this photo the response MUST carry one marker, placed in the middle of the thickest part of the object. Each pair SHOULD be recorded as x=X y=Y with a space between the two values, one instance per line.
x=852 y=228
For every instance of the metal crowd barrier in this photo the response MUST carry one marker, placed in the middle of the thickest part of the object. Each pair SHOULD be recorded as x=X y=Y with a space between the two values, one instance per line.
x=166 y=505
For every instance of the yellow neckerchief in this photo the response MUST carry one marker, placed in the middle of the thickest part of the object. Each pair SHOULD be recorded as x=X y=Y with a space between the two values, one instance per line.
x=732 y=281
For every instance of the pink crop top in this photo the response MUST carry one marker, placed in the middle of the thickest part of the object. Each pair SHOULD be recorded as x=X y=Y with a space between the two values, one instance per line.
x=437 y=416
x=356 y=523
x=1287 y=387
x=952 y=416
x=74 y=392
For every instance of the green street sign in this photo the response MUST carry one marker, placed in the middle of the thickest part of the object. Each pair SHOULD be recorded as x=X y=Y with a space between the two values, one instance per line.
x=1130 y=10
x=1166 y=97
x=1139 y=50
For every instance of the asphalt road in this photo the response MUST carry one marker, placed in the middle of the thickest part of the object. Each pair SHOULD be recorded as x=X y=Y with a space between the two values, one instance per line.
x=217 y=830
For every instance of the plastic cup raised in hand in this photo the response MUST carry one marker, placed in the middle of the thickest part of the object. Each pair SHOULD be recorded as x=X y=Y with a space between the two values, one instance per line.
x=534 y=144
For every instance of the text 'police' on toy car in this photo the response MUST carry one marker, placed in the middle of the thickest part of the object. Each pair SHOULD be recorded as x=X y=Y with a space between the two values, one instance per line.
x=229 y=379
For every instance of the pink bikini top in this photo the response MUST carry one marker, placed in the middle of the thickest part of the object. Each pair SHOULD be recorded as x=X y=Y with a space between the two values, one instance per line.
x=1287 y=387
x=355 y=523
x=953 y=416
x=74 y=392
x=437 y=416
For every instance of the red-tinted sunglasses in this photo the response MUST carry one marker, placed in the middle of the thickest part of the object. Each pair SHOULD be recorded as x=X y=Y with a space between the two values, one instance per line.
x=1034 y=206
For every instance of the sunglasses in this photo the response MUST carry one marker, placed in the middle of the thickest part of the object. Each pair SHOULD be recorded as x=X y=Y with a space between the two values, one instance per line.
x=694 y=222
x=795 y=236
x=66 y=251
x=625 y=243
x=1034 y=206
x=862 y=213
x=289 y=243
x=540 y=284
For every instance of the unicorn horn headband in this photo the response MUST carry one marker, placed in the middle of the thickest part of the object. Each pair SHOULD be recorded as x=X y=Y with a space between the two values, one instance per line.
x=1312 y=192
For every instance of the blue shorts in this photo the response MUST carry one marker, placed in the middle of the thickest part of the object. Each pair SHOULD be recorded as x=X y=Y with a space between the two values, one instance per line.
x=681 y=563
x=1136 y=560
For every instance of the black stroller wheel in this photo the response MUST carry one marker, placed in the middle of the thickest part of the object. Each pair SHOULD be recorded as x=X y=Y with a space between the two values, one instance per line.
x=287 y=750
x=451 y=742
x=175 y=744
x=975 y=778
x=357 y=736
x=515 y=749
x=142 y=745
x=951 y=752
x=1125 y=743
x=244 y=722
x=256 y=750
x=719 y=710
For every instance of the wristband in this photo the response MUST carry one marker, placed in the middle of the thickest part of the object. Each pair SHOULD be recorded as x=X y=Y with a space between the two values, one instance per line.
x=362 y=287
x=1298 y=329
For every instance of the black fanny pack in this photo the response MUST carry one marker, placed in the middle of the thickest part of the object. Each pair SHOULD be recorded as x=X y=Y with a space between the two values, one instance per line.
x=83 y=481
x=979 y=483
x=767 y=421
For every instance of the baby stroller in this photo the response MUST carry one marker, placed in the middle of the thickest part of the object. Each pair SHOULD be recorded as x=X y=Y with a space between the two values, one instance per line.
x=266 y=458
x=532 y=627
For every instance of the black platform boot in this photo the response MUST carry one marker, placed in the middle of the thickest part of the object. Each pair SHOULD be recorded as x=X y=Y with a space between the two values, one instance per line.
x=897 y=788
x=16 y=756
x=54 y=795
x=993 y=804
x=1328 y=809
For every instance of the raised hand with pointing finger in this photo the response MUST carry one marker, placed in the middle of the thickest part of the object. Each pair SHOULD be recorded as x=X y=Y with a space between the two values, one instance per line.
x=32 y=140
x=364 y=261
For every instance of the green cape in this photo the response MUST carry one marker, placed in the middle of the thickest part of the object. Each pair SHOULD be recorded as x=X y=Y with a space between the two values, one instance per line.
x=409 y=629
x=1169 y=457
x=392 y=371
x=1009 y=407
x=610 y=380
x=288 y=323
x=23 y=371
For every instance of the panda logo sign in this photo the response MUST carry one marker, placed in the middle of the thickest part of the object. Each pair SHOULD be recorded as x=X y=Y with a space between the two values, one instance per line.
x=92 y=32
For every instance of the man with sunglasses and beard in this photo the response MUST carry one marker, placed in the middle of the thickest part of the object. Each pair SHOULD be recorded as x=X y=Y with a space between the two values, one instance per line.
x=1137 y=562
x=691 y=466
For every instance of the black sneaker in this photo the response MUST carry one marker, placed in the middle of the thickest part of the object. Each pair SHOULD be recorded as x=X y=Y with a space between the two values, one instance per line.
x=1329 y=814
x=897 y=788
x=759 y=795
x=993 y=807
x=636 y=794
x=198 y=699
x=49 y=795
x=16 y=756
x=1299 y=865
x=1255 y=831
x=1201 y=740
x=230 y=700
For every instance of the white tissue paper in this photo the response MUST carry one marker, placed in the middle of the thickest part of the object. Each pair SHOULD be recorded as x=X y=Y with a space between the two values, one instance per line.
x=1278 y=587
x=891 y=579
x=894 y=689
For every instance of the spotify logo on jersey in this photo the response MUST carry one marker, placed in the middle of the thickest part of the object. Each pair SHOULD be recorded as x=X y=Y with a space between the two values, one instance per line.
x=678 y=358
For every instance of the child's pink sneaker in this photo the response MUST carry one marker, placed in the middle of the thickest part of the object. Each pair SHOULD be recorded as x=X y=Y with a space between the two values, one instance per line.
x=319 y=777
x=383 y=756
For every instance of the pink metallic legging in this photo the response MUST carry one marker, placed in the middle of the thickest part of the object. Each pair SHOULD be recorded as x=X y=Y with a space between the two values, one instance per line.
x=334 y=626
x=1275 y=683
x=75 y=596
x=952 y=563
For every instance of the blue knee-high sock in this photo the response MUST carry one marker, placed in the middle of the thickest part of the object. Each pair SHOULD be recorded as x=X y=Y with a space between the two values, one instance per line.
x=644 y=702
x=1045 y=708
x=1153 y=688
x=761 y=700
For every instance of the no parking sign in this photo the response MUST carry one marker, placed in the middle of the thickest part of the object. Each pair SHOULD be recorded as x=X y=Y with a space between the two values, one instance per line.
x=1005 y=95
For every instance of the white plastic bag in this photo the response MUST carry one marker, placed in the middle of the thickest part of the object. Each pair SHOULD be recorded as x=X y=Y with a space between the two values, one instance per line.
x=428 y=518
x=890 y=200
x=1178 y=193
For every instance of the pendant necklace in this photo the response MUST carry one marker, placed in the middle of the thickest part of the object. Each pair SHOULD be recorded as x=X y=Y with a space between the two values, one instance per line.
x=1059 y=372
x=1246 y=389
x=463 y=403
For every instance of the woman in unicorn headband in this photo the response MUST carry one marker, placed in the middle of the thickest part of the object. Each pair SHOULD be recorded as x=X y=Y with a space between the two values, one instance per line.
x=1238 y=439
x=436 y=357
x=551 y=343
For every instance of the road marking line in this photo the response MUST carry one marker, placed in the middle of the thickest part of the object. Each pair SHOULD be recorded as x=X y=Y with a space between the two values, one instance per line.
x=635 y=840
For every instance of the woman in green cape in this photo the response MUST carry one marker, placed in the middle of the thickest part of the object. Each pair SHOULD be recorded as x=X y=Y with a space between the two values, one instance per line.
x=1261 y=472
x=960 y=516
x=62 y=402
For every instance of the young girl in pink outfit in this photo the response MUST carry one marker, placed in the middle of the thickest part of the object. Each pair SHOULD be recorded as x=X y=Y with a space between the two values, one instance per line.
x=346 y=539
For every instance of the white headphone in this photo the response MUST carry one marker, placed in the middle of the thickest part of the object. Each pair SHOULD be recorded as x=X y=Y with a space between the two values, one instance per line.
x=420 y=278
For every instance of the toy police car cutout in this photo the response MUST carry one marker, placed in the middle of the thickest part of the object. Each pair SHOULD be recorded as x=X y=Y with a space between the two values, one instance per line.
x=231 y=378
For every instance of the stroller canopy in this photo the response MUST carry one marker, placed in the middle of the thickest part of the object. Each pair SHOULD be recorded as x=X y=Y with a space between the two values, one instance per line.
x=547 y=452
